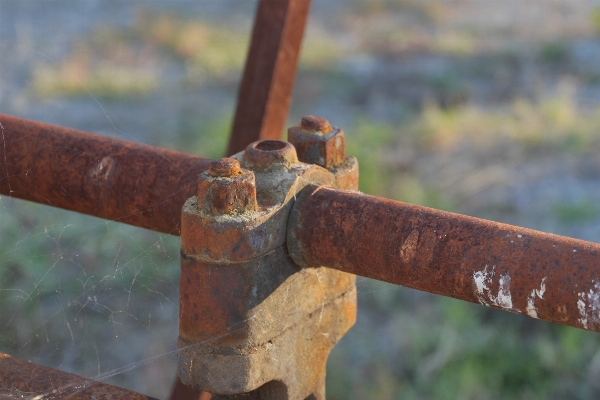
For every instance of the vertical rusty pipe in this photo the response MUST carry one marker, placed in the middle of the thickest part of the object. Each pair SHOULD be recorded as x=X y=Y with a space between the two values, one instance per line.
x=502 y=266
x=101 y=176
x=266 y=88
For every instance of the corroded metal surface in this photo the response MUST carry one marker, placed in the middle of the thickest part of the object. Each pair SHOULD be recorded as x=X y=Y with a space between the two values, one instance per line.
x=266 y=87
x=346 y=174
x=21 y=379
x=502 y=266
x=249 y=317
x=179 y=391
x=226 y=188
x=266 y=154
x=317 y=142
x=101 y=176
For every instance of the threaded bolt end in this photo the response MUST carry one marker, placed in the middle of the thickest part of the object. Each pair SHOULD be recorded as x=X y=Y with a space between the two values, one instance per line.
x=313 y=123
x=224 y=168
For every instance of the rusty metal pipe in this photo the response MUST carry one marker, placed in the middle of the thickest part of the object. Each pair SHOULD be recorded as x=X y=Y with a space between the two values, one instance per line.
x=515 y=269
x=266 y=88
x=101 y=176
x=24 y=379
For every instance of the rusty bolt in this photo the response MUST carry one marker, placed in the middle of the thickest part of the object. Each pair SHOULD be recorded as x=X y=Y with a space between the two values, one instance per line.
x=317 y=142
x=315 y=124
x=226 y=188
x=225 y=168
x=264 y=154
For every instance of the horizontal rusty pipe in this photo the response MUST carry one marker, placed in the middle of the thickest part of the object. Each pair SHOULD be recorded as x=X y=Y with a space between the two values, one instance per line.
x=23 y=379
x=101 y=176
x=515 y=269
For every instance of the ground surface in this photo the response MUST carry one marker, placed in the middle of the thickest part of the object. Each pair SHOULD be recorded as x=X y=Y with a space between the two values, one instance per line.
x=485 y=108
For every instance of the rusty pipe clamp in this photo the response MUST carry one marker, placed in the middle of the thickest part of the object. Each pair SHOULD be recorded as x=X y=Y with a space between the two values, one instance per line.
x=251 y=320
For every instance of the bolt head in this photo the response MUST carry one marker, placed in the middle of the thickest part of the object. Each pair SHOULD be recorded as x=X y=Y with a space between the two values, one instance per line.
x=226 y=188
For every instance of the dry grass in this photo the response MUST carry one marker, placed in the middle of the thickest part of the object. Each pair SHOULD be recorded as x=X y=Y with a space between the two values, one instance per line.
x=554 y=122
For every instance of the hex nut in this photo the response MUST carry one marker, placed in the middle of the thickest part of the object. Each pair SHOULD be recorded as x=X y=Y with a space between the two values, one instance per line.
x=317 y=142
x=226 y=188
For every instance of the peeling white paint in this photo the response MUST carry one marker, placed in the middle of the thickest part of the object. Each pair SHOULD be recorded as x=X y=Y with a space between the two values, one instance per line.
x=483 y=280
x=589 y=306
x=581 y=307
x=504 y=298
x=530 y=309
x=540 y=293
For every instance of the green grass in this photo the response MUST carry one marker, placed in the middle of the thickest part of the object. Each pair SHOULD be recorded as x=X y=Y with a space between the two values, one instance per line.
x=553 y=123
x=579 y=212
x=554 y=52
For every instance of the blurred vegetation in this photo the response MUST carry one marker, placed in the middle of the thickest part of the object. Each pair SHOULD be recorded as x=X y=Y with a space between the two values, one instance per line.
x=76 y=78
x=552 y=123
x=115 y=63
x=578 y=212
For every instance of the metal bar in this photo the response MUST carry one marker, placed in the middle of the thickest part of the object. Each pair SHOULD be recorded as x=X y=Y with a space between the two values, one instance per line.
x=507 y=267
x=24 y=379
x=101 y=176
x=266 y=88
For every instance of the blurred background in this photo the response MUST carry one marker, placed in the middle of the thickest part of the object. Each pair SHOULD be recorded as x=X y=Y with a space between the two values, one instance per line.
x=490 y=109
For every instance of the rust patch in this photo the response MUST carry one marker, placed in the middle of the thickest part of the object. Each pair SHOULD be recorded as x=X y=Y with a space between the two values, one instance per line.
x=103 y=170
x=226 y=188
x=346 y=174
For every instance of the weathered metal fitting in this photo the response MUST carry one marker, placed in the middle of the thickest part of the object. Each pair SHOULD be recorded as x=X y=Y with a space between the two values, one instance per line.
x=317 y=142
x=346 y=174
x=226 y=188
x=260 y=321
x=250 y=318
x=233 y=237
x=266 y=154
x=227 y=297
x=225 y=168
x=315 y=125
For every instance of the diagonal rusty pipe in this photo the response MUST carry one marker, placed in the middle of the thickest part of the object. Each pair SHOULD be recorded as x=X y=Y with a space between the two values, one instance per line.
x=515 y=269
x=97 y=175
x=24 y=379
